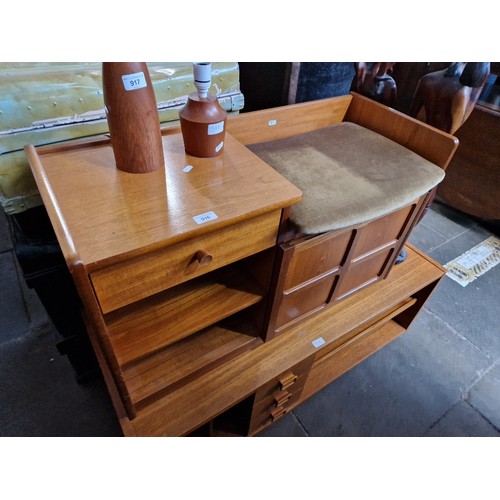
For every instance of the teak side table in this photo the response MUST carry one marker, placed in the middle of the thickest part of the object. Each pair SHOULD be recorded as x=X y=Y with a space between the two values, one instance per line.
x=174 y=268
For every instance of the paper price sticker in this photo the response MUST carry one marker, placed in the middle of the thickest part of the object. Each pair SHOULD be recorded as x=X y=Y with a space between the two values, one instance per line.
x=134 y=81
x=206 y=217
x=318 y=342
x=215 y=128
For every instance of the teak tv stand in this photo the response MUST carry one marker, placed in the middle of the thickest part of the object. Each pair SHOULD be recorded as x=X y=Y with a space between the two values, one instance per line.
x=176 y=271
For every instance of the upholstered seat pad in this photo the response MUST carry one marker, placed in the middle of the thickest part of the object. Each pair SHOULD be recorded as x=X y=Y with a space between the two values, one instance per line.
x=348 y=175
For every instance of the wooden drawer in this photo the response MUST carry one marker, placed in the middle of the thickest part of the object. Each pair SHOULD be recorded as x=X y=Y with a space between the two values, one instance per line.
x=271 y=412
x=129 y=281
x=288 y=380
x=273 y=400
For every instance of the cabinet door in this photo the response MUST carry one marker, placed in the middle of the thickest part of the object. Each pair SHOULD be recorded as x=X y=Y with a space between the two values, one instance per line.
x=322 y=270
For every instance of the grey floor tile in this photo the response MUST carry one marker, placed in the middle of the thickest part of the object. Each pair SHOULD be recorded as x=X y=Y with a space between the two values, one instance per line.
x=471 y=310
x=39 y=395
x=425 y=238
x=399 y=391
x=485 y=395
x=288 y=426
x=458 y=245
x=462 y=421
x=13 y=313
x=446 y=221
x=439 y=225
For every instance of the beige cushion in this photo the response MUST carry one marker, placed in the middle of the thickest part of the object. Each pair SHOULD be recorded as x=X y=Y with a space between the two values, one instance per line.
x=348 y=175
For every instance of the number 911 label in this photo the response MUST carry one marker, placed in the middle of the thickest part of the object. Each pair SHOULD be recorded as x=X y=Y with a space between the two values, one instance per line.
x=134 y=81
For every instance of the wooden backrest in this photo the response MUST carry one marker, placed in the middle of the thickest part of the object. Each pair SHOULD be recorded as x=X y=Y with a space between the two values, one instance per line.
x=285 y=121
x=429 y=142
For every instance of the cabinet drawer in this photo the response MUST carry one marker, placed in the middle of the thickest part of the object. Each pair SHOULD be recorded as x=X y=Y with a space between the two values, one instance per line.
x=269 y=413
x=129 y=281
x=273 y=400
x=290 y=380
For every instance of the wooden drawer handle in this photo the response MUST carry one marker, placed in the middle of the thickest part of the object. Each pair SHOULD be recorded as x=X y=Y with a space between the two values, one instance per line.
x=278 y=413
x=281 y=397
x=287 y=380
x=200 y=258
x=203 y=257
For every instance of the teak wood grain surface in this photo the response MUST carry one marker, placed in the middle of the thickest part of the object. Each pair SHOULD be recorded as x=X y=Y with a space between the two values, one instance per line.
x=181 y=411
x=139 y=262
x=110 y=215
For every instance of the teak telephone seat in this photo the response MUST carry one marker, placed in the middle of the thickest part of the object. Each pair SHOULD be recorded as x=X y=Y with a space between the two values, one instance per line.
x=330 y=249
x=185 y=274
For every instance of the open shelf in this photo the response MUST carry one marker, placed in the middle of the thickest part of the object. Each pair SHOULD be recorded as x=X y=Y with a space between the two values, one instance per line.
x=188 y=358
x=152 y=324
x=345 y=356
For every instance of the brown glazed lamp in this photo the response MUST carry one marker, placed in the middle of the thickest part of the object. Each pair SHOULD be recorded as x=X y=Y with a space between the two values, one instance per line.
x=132 y=115
x=203 y=121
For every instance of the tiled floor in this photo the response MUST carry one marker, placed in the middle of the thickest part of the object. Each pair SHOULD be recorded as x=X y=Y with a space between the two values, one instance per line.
x=440 y=378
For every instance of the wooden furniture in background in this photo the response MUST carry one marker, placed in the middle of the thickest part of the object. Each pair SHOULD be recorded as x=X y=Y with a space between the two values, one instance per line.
x=446 y=98
x=472 y=184
x=175 y=271
x=407 y=75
